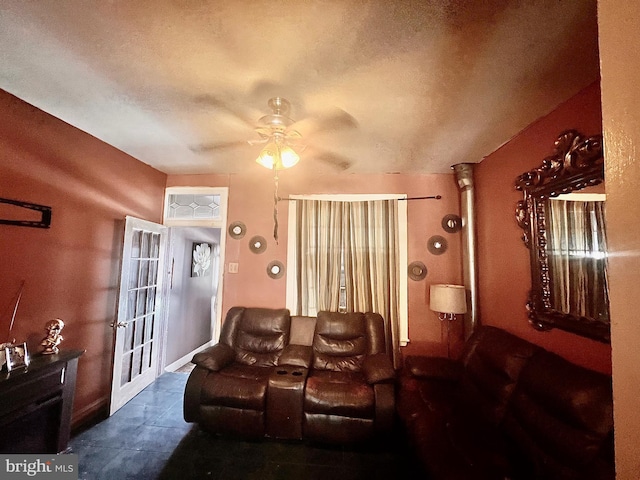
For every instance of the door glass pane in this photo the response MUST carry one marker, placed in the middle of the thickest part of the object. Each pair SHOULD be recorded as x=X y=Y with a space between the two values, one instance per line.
x=136 y=363
x=131 y=305
x=153 y=272
x=143 y=280
x=134 y=273
x=148 y=327
x=155 y=246
x=139 y=331
x=142 y=303
x=128 y=337
x=135 y=244
x=146 y=360
x=125 y=376
x=151 y=300
x=144 y=249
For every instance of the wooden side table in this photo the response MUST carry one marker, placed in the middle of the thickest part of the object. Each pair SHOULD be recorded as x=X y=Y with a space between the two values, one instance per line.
x=36 y=404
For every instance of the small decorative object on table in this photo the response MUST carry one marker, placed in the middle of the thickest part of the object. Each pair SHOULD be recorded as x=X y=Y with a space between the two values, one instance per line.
x=17 y=356
x=53 y=338
x=3 y=354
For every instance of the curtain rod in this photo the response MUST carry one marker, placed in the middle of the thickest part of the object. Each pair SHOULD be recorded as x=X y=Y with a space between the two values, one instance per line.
x=431 y=197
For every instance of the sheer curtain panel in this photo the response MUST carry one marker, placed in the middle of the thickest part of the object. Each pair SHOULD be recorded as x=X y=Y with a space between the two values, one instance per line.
x=359 y=239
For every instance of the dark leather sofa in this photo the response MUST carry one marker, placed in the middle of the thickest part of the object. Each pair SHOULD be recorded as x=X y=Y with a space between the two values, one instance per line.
x=327 y=379
x=507 y=410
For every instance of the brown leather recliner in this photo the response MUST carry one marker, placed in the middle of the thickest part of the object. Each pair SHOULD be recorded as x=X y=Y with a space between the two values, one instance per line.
x=227 y=390
x=327 y=379
x=507 y=409
x=349 y=393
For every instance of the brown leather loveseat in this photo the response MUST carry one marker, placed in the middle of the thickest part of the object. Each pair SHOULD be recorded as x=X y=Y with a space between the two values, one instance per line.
x=271 y=374
x=507 y=409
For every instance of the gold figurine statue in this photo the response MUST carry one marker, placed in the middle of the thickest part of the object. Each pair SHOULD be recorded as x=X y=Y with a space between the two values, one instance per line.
x=53 y=338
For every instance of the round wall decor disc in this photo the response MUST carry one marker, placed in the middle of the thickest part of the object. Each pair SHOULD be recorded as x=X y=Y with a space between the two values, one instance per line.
x=275 y=269
x=417 y=271
x=437 y=245
x=237 y=230
x=451 y=223
x=257 y=244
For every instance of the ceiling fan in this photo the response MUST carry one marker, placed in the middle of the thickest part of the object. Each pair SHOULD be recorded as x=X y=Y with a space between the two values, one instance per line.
x=282 y=137
x=276 y=132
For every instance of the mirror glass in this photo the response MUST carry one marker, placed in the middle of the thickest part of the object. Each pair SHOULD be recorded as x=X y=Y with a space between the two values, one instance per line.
x=563 y=218
x=577 y=255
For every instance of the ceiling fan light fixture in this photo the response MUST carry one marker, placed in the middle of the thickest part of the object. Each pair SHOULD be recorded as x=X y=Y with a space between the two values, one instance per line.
x=268 y=156
x=288 y=157
x=275 y=157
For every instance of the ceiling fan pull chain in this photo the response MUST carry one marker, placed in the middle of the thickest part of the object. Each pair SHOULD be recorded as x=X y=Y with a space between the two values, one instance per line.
x=275 y=207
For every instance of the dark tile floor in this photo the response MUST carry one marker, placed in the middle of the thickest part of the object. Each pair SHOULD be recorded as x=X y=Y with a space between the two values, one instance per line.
x=148 y=439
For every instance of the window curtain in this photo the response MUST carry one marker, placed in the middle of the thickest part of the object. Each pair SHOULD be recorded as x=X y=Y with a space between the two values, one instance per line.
x=371 y=265
x=577 y=253
x=366 y=235
x=320 y=227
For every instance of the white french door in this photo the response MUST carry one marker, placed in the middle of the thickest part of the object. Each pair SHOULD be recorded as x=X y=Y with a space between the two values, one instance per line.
x=137 y=329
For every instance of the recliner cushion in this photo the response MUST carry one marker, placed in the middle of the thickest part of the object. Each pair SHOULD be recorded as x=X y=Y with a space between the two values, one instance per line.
x=491 y=372
x=340 y=341
x=561 y=418
x=261 y=335
x=237 y=386
x=339 y=393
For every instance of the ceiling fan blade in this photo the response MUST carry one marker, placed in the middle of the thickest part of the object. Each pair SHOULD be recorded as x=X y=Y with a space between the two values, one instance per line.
x=338 y=162
x=219 y=104
x=262 y=141
x=216 y=147
x=293 y=135
x=336 y=119
x=264 y=132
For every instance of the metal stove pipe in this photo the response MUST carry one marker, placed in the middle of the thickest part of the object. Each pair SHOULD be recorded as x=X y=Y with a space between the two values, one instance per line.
x=464 y=178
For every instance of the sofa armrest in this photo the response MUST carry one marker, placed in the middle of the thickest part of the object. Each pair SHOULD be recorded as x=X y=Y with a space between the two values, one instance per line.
x=192 y=392
x=296 y=356
x=437 y=368
x=215 y=358
x=378 y=369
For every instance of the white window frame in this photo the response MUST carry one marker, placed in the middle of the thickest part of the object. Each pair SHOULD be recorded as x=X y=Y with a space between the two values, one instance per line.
x=403 y=308
x=220 y=222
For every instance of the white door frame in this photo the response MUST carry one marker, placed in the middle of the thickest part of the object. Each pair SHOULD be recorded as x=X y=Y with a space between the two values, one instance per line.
x=180 y=362
x=219 y=222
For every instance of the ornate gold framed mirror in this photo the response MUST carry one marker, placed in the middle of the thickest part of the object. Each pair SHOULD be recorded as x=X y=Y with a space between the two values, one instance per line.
x=562 y=215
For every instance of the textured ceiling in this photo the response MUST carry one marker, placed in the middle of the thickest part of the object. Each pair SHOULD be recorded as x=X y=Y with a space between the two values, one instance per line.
x=383 y=86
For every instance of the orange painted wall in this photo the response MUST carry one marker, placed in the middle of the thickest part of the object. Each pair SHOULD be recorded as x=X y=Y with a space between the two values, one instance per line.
x=251 y=201
x=503 y=260
x=71 y=269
